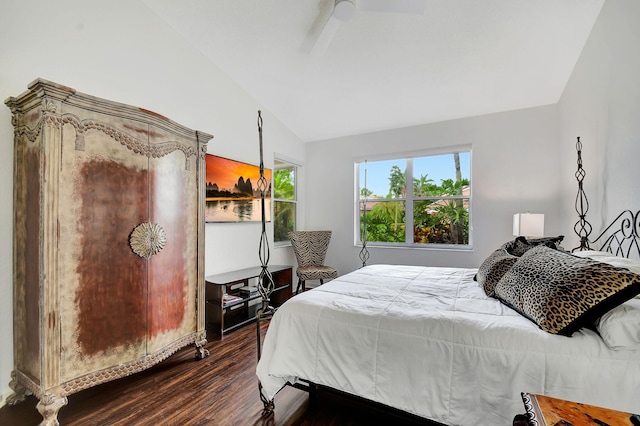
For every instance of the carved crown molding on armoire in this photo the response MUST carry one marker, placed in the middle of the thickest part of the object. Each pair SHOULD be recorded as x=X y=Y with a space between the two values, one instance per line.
x=108 y=242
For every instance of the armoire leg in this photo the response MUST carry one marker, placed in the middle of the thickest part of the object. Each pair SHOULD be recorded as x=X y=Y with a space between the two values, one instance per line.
x=19 y=390
x=201 y=351
x=49 y=406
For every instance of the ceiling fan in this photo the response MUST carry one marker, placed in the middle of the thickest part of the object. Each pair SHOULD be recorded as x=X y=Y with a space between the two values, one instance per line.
x=345 y=10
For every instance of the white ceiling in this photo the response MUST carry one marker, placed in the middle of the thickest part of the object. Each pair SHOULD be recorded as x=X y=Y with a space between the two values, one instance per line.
x=460 y=58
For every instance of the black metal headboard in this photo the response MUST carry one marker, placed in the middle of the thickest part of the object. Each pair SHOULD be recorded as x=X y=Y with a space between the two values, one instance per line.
x=620 y=238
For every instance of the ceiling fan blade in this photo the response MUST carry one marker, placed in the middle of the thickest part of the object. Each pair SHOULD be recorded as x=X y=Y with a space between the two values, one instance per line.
x=414 y=7
x=323 y=40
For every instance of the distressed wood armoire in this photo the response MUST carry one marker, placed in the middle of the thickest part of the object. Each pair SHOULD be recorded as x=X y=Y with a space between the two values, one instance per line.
x=108 y=242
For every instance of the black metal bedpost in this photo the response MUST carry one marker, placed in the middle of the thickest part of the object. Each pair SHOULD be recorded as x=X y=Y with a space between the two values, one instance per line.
x=265 y=280
x=582 y=226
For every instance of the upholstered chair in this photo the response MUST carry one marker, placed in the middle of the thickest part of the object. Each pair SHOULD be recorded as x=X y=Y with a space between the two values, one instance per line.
x=310 y=248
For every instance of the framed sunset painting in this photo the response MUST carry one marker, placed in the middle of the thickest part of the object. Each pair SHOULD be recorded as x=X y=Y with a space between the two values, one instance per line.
x=232 y=193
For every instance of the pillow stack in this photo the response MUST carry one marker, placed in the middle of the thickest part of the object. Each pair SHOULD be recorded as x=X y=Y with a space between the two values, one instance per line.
x=561 y=292
x=501 y=260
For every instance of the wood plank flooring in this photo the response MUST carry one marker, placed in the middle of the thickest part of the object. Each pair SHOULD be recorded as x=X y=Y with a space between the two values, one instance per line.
x=220 y=390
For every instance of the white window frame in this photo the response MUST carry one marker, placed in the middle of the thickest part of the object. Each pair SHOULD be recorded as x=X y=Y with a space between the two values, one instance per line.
x=285 y=164
x=409 y=199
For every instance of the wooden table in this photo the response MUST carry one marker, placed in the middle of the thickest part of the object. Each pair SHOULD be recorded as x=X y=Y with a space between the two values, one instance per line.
x=547 y=411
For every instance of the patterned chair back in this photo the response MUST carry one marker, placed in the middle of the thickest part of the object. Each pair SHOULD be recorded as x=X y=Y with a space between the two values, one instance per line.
x=310 y=247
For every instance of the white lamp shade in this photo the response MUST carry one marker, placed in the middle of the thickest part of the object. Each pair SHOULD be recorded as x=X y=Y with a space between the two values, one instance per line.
x=344 y=10
x=528 y=224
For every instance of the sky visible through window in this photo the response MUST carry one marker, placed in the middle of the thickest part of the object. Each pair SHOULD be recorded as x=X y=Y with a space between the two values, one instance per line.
x=436 y=167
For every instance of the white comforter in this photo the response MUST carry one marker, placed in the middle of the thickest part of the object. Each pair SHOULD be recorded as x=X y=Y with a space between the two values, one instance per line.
x=428 y=341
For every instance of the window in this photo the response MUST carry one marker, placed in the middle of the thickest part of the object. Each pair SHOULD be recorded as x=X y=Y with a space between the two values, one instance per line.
x=285 y=200
x=433 y=210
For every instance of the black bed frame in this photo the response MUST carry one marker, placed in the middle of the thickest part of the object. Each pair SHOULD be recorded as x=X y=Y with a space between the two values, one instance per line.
x=371 y=412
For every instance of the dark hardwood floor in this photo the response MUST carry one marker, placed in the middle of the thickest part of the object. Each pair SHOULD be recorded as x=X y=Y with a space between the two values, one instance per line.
x=221 y=390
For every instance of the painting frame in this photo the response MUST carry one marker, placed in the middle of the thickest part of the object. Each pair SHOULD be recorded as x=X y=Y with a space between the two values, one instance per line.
x=231 y=191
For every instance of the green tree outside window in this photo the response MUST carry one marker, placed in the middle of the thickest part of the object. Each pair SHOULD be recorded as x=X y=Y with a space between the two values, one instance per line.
x=440 y=211
x=285 y=202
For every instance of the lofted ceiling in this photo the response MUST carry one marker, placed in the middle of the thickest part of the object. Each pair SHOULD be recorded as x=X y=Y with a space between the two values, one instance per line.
x=387 y=69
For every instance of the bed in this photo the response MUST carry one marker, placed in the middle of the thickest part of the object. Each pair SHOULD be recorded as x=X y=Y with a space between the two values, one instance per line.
x=457 y=346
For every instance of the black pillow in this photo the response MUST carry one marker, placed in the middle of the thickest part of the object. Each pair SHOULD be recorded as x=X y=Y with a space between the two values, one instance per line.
x=521 y=245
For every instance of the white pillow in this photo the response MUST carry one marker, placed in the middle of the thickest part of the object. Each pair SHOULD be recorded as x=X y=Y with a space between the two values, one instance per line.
x=620 y=327
x=601 y=256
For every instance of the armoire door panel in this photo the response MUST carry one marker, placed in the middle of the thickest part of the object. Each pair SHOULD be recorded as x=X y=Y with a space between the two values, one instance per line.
x=104 y=284
x=111 y=300
x=173 y=271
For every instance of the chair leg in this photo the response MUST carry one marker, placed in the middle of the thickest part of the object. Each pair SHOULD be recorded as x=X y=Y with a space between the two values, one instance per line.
x=300 y=283
x=321 y=281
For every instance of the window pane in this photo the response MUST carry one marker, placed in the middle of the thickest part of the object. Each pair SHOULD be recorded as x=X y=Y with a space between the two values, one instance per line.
x=441 y=222
x=384 y=178
x=284 y=220
x=284 y=183
x=385 y=221
x=285 y=202
x=440 y=174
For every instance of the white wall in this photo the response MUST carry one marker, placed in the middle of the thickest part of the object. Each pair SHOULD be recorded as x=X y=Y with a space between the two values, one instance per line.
x=515 y=168
x=122 y=51
x=601 y=104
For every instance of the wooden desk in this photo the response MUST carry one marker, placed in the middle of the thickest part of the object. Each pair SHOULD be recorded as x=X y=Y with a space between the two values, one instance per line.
x=547 y=411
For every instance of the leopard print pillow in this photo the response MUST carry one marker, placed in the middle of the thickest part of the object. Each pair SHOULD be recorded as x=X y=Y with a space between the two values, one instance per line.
x=561 y=292
x=493 y=268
